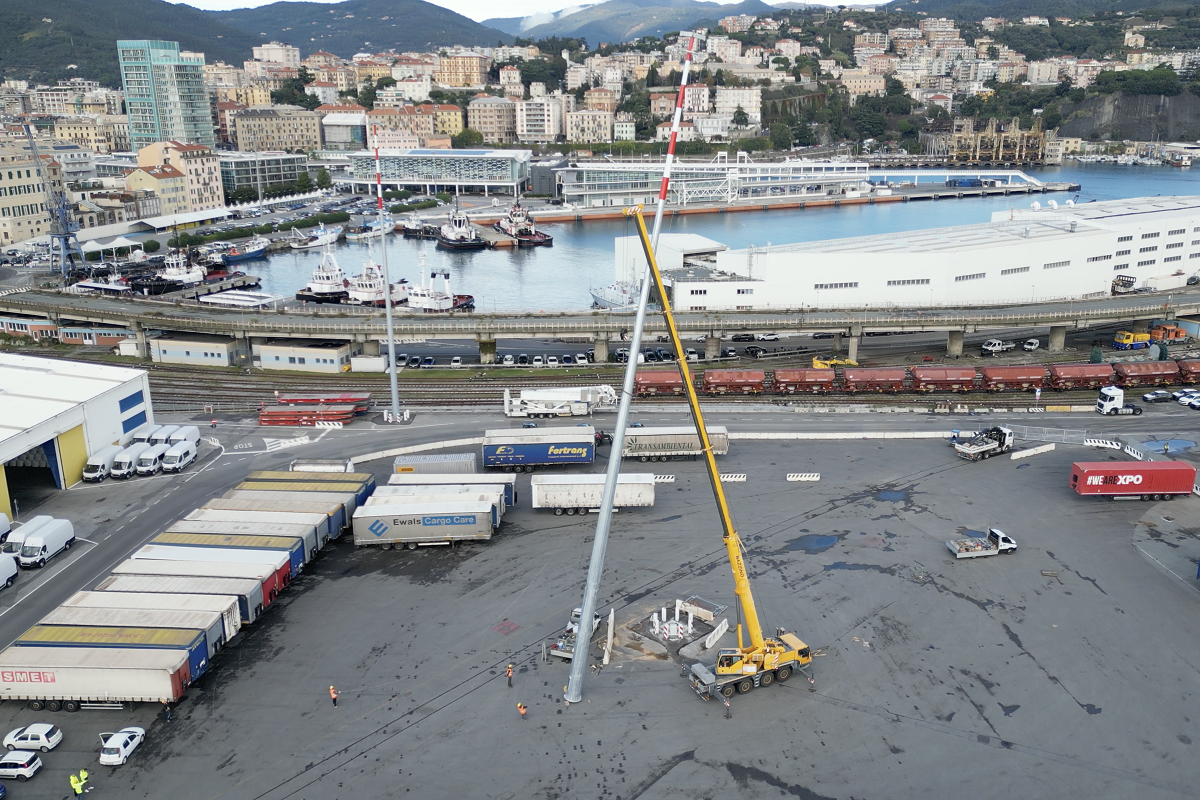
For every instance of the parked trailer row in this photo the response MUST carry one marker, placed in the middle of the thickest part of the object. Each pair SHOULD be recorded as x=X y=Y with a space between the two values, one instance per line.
x=226 y=606
x=572 y=494
x=414 y=525
x=507 y=482
x=247 y=593
x=923 y=379
x=67 y=677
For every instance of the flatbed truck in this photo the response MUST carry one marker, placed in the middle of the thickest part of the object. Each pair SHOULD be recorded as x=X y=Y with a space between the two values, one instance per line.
x=996 y=542
x=986 y=444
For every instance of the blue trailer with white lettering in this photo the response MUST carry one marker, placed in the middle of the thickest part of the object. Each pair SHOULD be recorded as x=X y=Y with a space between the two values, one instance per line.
x=414 y=525
x=520 y=450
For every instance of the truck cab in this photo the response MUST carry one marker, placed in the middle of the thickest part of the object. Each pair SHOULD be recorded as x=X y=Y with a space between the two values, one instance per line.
x=1112 y=402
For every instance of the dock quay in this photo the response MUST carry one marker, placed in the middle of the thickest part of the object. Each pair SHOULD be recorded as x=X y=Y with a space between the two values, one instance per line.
x=212 y=287
x=493 y=237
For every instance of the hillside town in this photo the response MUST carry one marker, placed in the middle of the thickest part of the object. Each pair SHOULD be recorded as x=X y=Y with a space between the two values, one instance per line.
x=779 y=82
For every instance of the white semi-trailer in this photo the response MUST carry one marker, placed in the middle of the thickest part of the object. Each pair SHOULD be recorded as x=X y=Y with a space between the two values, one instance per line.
x=577 y=494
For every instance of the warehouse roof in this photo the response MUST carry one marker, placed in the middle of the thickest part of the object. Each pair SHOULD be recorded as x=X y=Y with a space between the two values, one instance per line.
x=46 y=393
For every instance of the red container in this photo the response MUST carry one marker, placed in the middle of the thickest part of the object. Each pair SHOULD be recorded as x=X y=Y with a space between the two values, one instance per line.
x=1147 y=373
x=1074 y=376
x=1143 y=478
x=804 y=381
x=1189 y=370
x=661 y=381
x=999 y=379
x=734 y=381
x=305 y=415
x=360 y=400
x=943 y=379
x=874 y=380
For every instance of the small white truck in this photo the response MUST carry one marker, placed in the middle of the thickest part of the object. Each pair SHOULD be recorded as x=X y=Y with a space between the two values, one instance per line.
x=1112 y=401
x=985 y=444
x=996 y=541
x=994 y=347
x=559 y=402
x=564 y=646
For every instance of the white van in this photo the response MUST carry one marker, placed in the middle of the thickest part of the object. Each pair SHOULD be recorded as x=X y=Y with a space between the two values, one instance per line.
x=5 y=527
x=163 y=434
x=8 y=570
x=16 y=537
x=100 y=464
x=150 y=462
x=179 y=456
x=55 y=537
x=185 y=433
x=143 y=434
x=125 y=464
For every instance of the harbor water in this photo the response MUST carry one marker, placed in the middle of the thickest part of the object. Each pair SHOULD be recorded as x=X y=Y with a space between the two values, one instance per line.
x=558 y=278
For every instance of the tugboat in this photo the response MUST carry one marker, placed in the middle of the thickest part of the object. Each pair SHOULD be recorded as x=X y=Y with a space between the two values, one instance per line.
x=367 y=289
x=318 y=238
x=518 y=224
x=430 y=300
x=328 y=284
x=415 y=227
x=178 y=273
x=458 y=234
x=254 y=248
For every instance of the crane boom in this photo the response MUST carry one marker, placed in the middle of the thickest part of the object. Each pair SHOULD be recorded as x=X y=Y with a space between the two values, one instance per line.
x=62 y=223
x=764 y=659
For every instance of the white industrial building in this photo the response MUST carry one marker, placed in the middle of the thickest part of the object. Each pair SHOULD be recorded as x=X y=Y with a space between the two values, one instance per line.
x=198 y=348
x=54 y=413
x=1021 y=256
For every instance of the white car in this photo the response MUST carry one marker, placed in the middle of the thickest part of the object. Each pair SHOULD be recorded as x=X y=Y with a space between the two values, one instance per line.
x=1157 y=396
x=1032 y=344
x=456 y=362
x=580 y=358
x=20 y=764
x=117 y=747
x=1186 y=397
x=552 y=361
x=537 y=362
x=508 y=361
x=767 y=337
x=38 y=736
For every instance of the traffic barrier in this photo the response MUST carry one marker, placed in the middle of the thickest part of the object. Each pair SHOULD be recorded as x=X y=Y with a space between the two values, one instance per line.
x=734 y=477
x=1033 y=451
x=333 y=426
x=804 y=476
x=1109 y=443
x=1138 y=454
x=283 y=444
x=717 y=633
x=664 y=478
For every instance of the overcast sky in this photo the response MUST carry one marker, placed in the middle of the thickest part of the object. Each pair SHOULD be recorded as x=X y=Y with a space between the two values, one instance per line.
x=475 y=9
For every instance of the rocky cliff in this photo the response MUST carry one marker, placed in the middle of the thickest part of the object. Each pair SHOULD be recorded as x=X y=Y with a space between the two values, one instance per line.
x=1138 y=117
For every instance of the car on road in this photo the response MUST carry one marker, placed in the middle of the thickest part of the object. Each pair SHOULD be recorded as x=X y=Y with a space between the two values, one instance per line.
x=427 y=362
x=1183 y=398
x=523 y=360
x=537 y=361
x=580 y=358
x=691 y=354
x=415 y=361
x=456 y=362
x=38 y=736
x=636 y=425
x=1194 y=403
x=996 y=346
x=20 y=764
x=117 y=747
x=1157 y=396
x=822 y=335
x=742 y=337
x=528 y=424
x=729 y=352
x=509 y=361
x=767 y=337
x=755 y=352
x=1031 y=345
x=1181 y=392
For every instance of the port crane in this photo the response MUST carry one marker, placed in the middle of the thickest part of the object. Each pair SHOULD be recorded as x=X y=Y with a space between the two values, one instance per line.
x=63 y=226
x=762 y=660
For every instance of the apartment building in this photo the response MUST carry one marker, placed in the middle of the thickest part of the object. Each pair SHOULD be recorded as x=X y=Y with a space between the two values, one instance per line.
x=22 y=194
x=494 y=117
x=277 y=53
x=748 y=98
x=198 y=163
x=600 y=99
x=167 y=183
x=540 y=120
x=462 y=69
x=590 y=125
x=287 y=128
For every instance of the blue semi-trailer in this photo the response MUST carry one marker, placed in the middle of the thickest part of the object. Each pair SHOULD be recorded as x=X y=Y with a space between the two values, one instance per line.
x=521 y=450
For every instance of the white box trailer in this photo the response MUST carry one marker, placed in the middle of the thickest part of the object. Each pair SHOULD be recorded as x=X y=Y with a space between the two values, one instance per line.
x=495 y=501
x=225 y=605
x=211 y=623
x=246 y=592
x=509 y=482
x=325 y=522
x=277 y=560
x=348 y=500
x=321 y=465
x=68 y=676
x=492 y=492
x=660 y=444
x=423 y=525
x=577 y=494
x=312 y=542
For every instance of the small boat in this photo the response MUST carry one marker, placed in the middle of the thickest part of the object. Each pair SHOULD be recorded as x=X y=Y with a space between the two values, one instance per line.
x=318 y=238
x=367 y=289
x=328 y=283
x=430 y=300
x=414 y=227
x=459 y=234
x=178 y=272
x=369 y=230
x=620 y=295
x=519 y=225
x=1179 y=160
x=254 y=248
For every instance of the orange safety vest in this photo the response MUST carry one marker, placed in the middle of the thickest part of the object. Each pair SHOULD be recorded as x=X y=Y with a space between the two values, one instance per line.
x=333 y=692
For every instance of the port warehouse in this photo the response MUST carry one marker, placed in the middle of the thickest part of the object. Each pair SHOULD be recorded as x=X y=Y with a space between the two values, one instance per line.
x=851 y=380
x=54 y=413
x=1022 y=256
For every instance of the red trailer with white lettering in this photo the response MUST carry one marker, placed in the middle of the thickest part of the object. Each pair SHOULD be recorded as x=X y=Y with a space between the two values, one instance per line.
x=1149 y=480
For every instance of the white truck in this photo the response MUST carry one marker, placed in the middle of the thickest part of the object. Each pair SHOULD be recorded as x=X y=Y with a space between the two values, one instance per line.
x=994 y=347
x=574 y=401
x=564 y=646
x=660 y=444
x=576 y=494
x=985 y=444
x=996 y=541
x=1112 y=401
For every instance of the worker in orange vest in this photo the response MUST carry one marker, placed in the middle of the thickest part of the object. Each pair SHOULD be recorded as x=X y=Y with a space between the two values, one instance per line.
x=510 y=667
x=522 y=709
x=333 y=695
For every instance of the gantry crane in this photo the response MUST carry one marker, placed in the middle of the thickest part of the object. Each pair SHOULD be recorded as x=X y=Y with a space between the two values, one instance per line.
x=763 y=660
x=62 y=222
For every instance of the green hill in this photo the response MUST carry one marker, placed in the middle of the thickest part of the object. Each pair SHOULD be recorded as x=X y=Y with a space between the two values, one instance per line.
x=85 y=34
x=361 y=25
x=625 y=20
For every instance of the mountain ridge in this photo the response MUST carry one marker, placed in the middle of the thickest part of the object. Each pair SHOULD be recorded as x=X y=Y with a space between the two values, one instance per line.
x=624 y=20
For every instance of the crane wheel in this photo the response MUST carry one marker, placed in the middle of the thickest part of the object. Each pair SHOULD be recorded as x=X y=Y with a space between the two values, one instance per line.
x=783 y=673
x=726 y=690
x=766 y=679
x=745 y=685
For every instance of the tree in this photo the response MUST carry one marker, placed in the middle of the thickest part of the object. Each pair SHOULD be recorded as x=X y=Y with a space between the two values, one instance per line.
x=366 y=96
x=247 y=194
x=652 y=75
x=740 y=117
x=303 y=183
x=469 y=137
x=781 y=136
x=804 y=136
x=894 y=88
x=323 y=179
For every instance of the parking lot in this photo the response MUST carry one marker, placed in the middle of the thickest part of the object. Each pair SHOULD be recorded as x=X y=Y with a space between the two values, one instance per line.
x=1067 y=668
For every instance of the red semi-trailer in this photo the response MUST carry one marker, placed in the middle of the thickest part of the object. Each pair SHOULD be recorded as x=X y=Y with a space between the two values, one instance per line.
x=1149 y=480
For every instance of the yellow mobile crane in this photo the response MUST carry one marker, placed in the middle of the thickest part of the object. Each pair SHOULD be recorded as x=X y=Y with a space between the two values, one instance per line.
x=764 y=660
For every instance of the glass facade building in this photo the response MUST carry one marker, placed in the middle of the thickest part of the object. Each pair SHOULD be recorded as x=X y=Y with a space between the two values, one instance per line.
x=165 y=95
